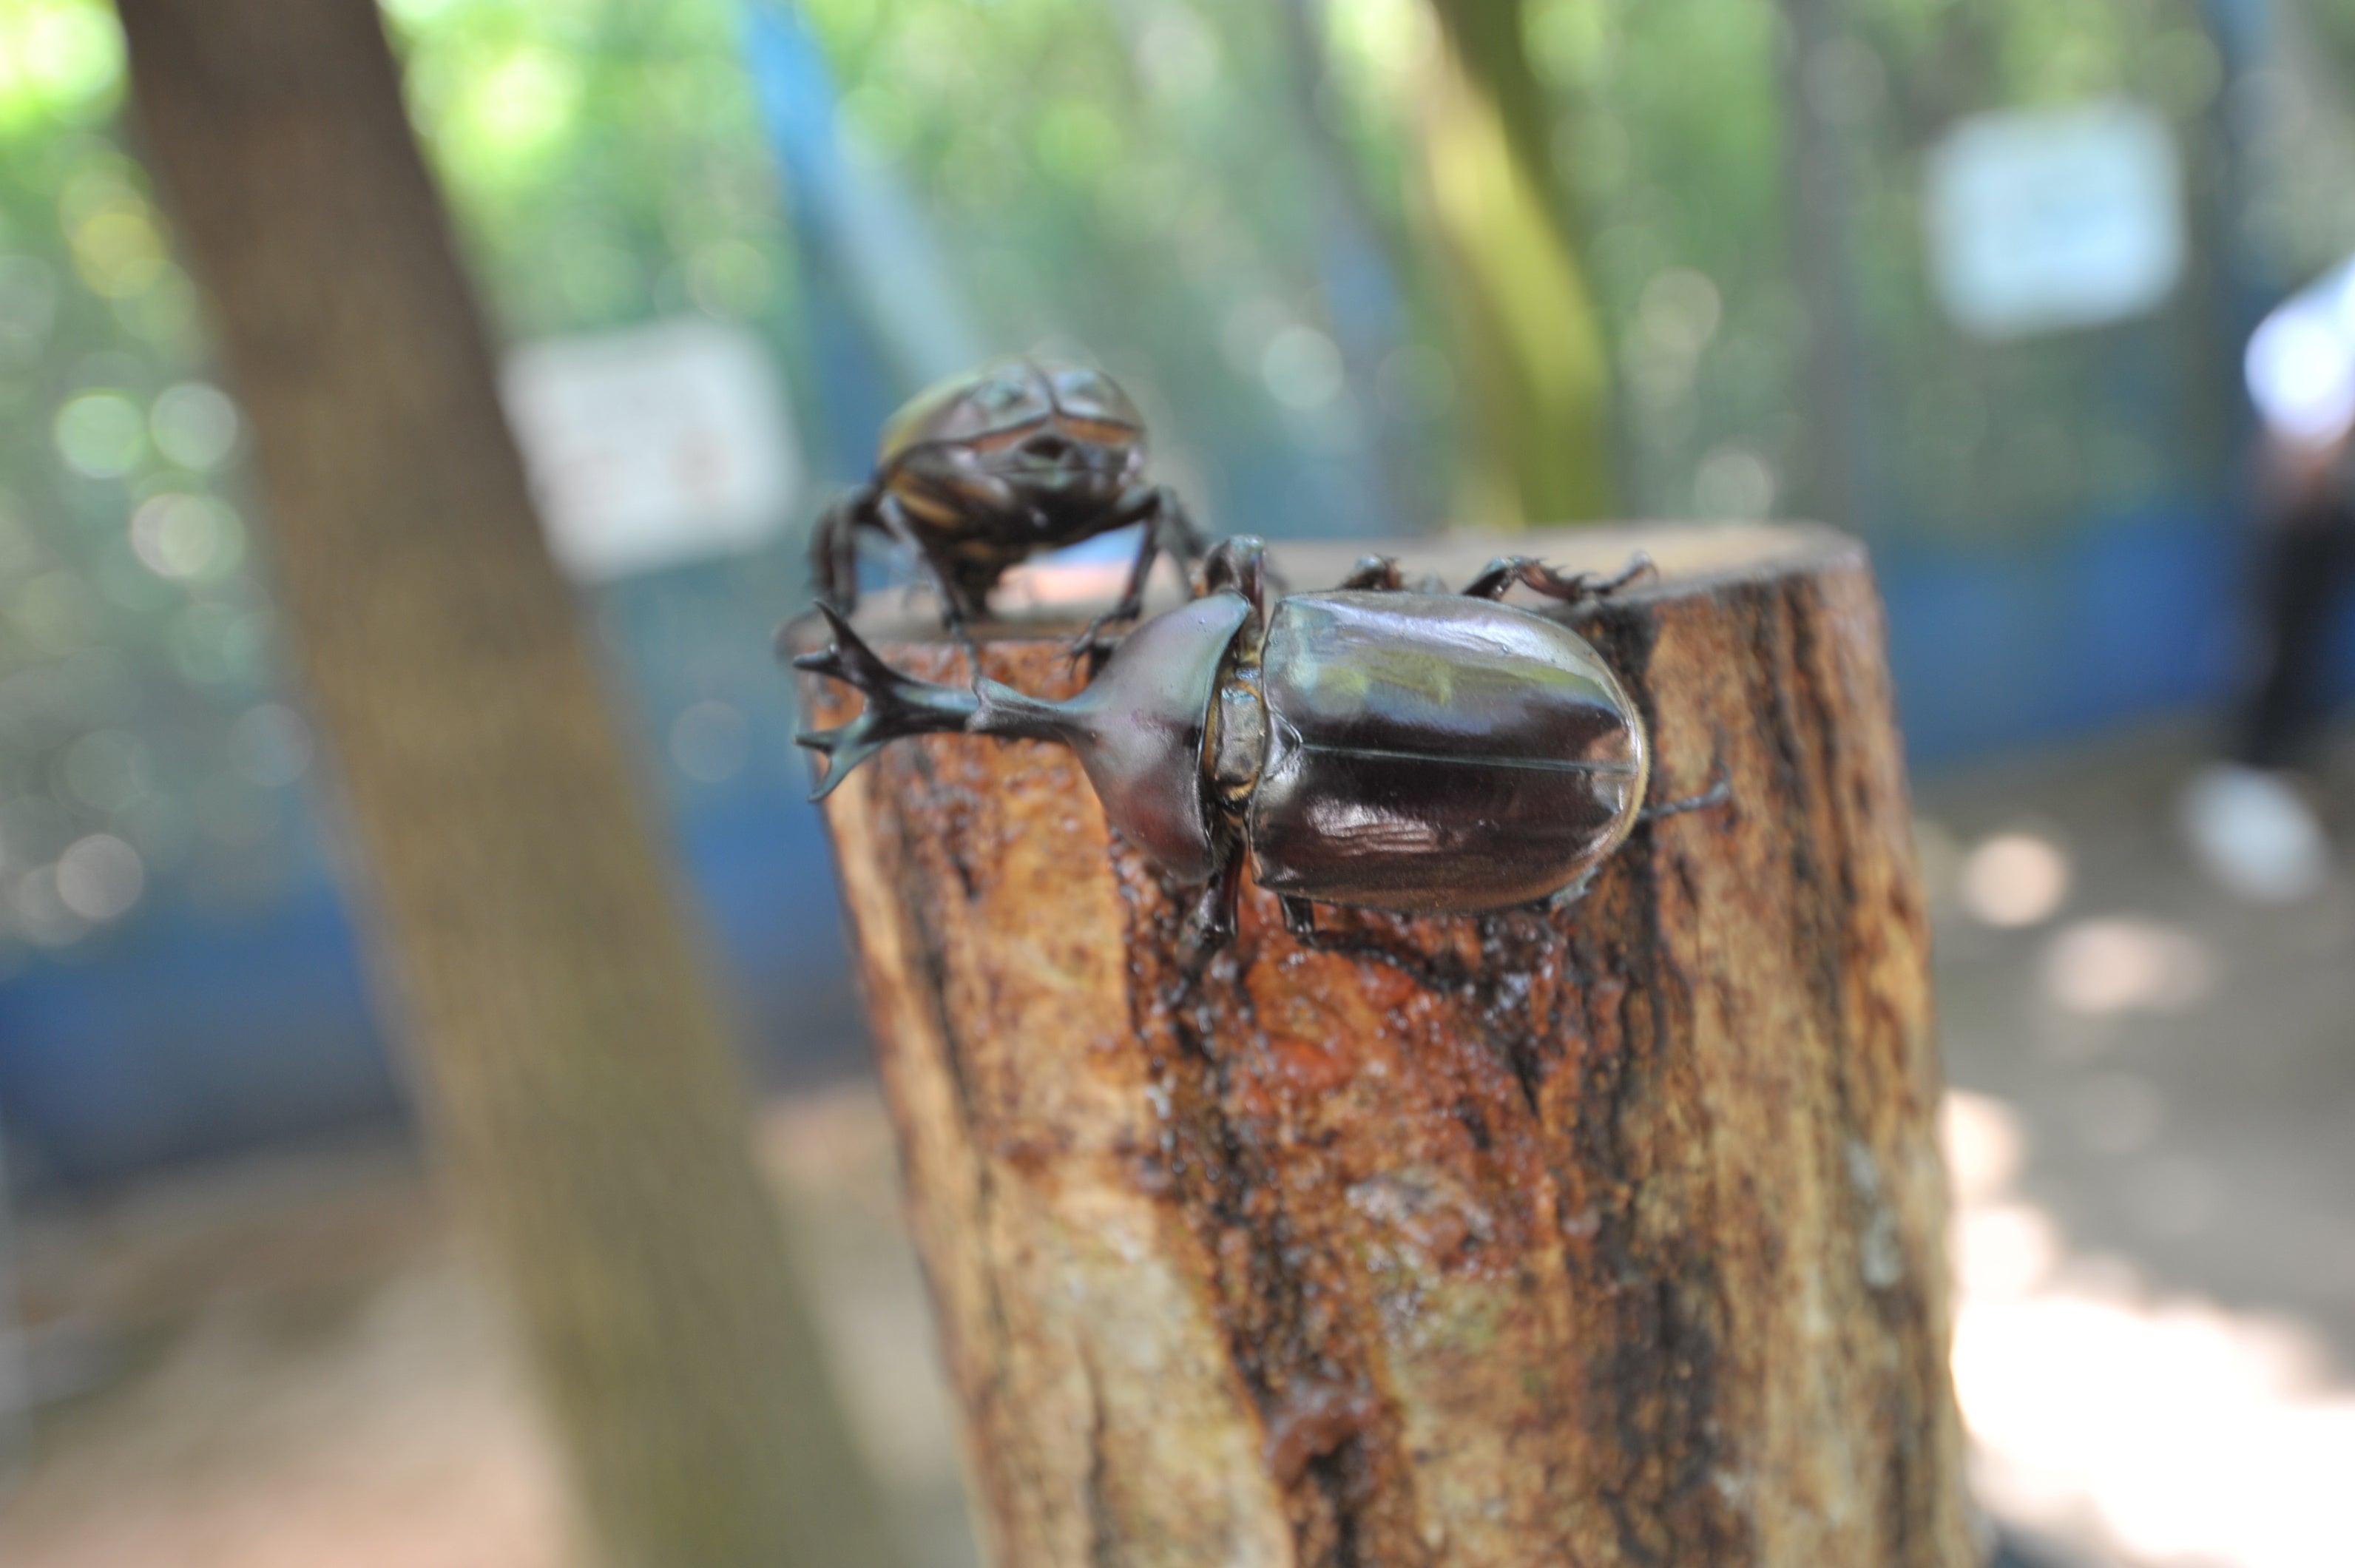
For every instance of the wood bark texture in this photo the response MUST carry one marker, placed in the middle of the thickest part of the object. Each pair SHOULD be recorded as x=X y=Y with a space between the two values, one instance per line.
x=528 y=931
x=1601 y=1237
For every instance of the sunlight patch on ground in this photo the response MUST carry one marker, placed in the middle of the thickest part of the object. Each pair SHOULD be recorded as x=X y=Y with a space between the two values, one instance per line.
x=2164 y=1431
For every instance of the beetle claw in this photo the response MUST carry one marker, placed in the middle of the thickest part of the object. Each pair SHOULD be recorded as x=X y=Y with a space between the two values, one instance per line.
x=1639 y=565
x=1575 y=588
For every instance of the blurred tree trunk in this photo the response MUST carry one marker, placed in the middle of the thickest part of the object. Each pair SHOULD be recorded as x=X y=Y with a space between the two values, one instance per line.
x=528 y=932
x=1360 y=256
x=1538 y=410
x=15 y=1372
x=1829 y=484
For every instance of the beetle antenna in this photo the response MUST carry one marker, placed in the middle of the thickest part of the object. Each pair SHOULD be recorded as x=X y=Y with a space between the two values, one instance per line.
x=898 y=705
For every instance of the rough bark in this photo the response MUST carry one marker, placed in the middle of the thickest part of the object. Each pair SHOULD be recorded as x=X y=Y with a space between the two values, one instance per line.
x=1611 y=1236
x=528 y=933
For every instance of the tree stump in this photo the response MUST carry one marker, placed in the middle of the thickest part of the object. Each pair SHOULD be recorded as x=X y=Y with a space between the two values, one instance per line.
x=1606 y=1236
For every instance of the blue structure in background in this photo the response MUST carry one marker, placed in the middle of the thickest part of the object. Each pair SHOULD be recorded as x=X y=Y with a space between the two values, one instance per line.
x=177 y=1035
x=181 y=1033
x=2129 y=617
x=881 y=315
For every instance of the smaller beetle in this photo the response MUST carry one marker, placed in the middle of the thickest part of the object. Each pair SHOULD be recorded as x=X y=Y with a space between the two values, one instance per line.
x=986 y=468
x=1426 y=753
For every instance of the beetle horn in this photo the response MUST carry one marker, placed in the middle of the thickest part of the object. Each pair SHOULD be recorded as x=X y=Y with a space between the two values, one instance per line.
x=898 y=705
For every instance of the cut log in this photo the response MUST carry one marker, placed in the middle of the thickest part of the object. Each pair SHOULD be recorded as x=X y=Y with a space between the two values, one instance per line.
x=1613 y=1235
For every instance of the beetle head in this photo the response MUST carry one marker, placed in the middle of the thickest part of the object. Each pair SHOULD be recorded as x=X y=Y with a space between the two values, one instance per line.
x=1058 y=471
x=1064 y=438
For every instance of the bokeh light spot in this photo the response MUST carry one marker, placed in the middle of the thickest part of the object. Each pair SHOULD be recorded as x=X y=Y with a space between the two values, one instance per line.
x=101 y=434
x=2005 y=1249
x=101 y=876
x=1681 y=311
x=42 y=916
x=1983 y=1143
x=185 y=537
x=1177 y=54
x=65 y=55
x=1733 y=482
x=118 y=252
x=1077 y=140
x=2117 y=966
x=57 y=611
x=106 y=770
x=2015 y=880
x=1302 y=368
x=195 y=425
x=516 y=110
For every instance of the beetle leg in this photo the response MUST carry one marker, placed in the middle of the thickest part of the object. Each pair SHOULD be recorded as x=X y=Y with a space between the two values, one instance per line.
x=1238 y=565
x=1575 y=588
x=954 y=607
x=834 y=548
x=1168 y=530
x=1193 y=544
x=1211 y=925
x=1161 y=508
x=1639 y=565
x=1131 y=603
x=1499 y=576
x=1300 y=917
x=1375 y=573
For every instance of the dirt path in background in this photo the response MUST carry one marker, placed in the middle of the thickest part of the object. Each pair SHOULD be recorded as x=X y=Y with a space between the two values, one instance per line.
x=299 y=1369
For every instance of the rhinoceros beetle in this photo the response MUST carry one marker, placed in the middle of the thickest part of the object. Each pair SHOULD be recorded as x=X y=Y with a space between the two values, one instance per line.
x=986 y=468
x=1368 y=746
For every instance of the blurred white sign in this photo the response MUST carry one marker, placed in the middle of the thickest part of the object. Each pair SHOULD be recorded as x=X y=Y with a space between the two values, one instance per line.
x=2049 y=218
x=653 y=446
